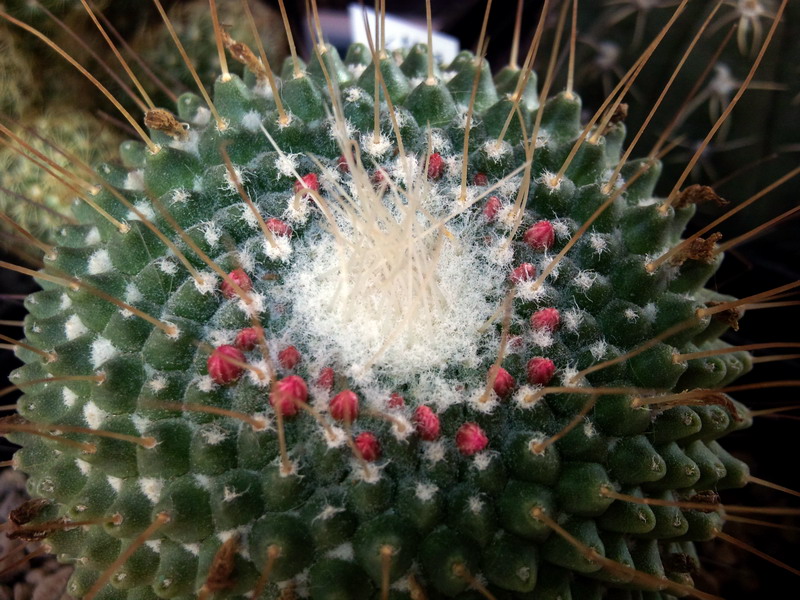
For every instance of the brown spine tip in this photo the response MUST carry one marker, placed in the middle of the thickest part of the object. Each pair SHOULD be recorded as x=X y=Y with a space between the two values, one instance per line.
x=27 y=511
x=698 y=194
x=242 y=53
x=709 y=497
x=220 y=574
x=700 y=249
x=164 y=121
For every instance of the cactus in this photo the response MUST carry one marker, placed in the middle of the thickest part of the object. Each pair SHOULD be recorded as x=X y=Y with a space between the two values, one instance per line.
x=761 y=125
x=49 y=200
x=192 y=22
x=285 y=351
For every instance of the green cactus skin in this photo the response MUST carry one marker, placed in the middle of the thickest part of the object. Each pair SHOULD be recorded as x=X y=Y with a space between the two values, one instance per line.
x=414 y=462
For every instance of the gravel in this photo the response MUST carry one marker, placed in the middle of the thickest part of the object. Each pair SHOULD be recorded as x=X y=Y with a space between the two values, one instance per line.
x=41 y=578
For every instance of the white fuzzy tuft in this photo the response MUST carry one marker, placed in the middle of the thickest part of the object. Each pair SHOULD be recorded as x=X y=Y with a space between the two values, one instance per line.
x=157 y=384
x=93 y=415
x=353 y=323
x=599 y=349
x=343 y=552
x=572 y=319
x=132 y=293
x=68 y=397
x=167 y=266
x=425 y=491
x=99 y=262
x=74 y=327
x=134 y=181
x=93 y=237
x=213 y=435
x=102 y=351
x=211 y=233
x=206 y=283
x=151 y=488
x=251 y=121
x=287 y=164
x=279 y=248
x=373 y=148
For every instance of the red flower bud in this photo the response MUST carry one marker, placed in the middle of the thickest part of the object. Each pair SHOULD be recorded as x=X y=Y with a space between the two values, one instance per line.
x=344 y=406
x=540 y=370
x=221 y=367
x=368 y=446
x=524 y=272
x=248 y=338
x=287 y=394
x=435 y=166
x=289 y=357
x=470 y=439
x=541 y=236
x=395 y=401
x=240 y=278
x=427 y=423
x=546 y=319
x=504 y=383
x=325 y=379
x=493 y=206
x=310 y=181
x=278 y=227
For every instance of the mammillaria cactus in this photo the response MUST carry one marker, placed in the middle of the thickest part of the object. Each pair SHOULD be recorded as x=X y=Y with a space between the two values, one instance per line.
x=385 y=334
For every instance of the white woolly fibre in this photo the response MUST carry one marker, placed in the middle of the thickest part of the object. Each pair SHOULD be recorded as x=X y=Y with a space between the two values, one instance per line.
x=74 y=327
x=99 y=262
x=93 y=415
x=389 y=321
x=102 y=351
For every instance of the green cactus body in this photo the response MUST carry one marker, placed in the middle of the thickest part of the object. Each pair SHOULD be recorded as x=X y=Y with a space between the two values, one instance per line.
x=363 y=406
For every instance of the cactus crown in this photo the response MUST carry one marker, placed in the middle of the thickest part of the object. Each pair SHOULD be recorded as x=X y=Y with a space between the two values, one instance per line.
x=316 y=348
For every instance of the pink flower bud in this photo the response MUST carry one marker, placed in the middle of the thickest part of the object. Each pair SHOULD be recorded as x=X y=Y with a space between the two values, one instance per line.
x=427 y=423
x=524 y=272
x=493 y=206
x=504 y=383
x=325 y=379
x=240 y=278
x=435 y=166
x=289 y=357
x=310 y=181
x=287 y=394
x=546 y=319
x=377 y=178
x=471 y=439
x=541 y=236
x=278 y=227
x=368 y=446
x=221 y=366
x=540 y=370
x=341 y=163
x=480 y=179
x=395 y=401
x=344 y=406
x=248 y=338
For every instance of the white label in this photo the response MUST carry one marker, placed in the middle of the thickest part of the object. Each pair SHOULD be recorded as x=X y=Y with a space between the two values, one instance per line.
x=401 y=33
